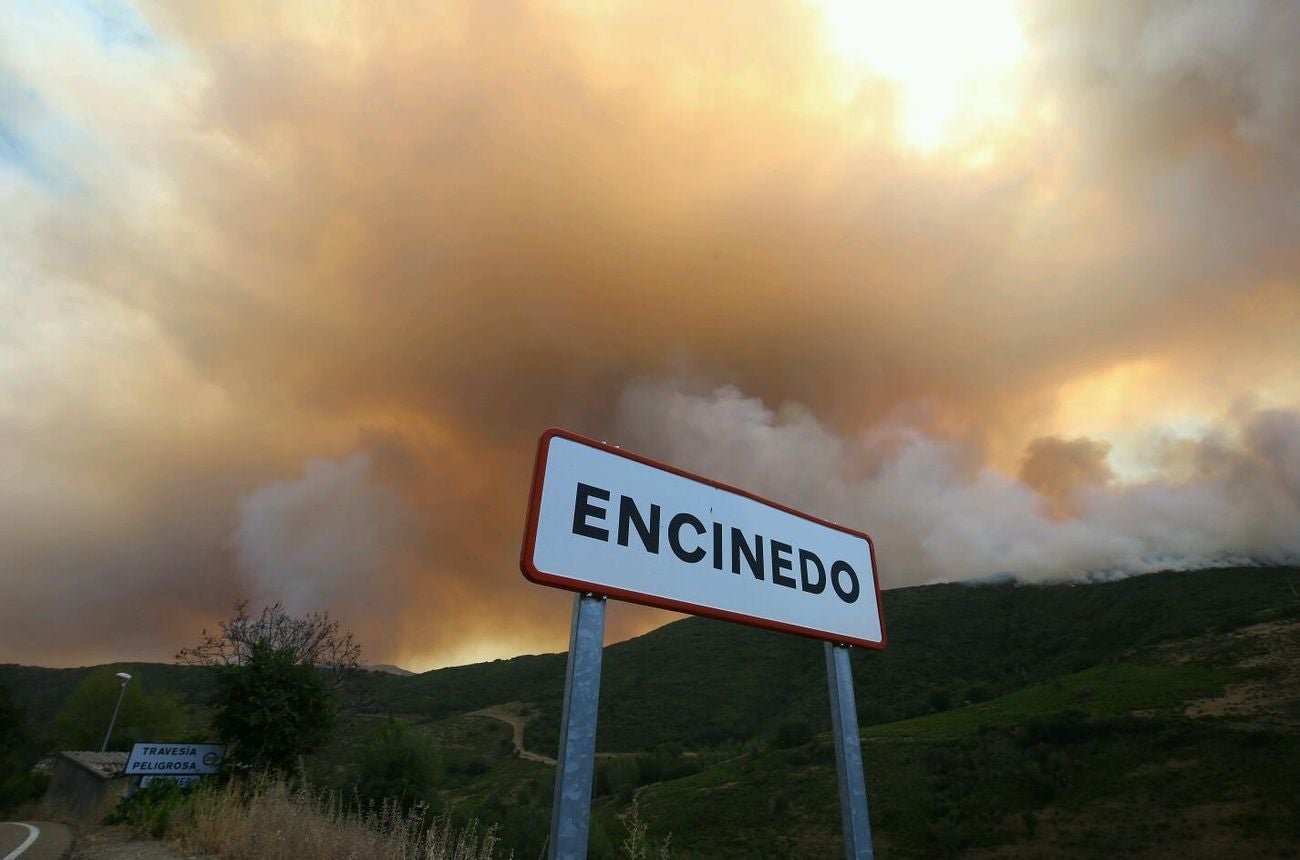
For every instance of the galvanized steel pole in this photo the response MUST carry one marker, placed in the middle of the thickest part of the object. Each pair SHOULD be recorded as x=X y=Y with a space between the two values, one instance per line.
x=126 y=680
x=848 y=755
x=571 y=809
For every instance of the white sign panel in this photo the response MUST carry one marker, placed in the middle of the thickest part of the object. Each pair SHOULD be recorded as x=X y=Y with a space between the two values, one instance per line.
x=175 y=759
x=606 y=521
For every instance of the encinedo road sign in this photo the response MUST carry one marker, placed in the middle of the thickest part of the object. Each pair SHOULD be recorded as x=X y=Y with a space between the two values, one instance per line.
x=604 y=521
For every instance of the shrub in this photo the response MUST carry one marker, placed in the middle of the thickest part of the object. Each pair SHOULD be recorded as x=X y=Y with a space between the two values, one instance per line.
x=21 y=787
x=151 y=808
x=614 y=775
x=18 y=750
x=793 y=733
x=399 y=762
x=271 y=710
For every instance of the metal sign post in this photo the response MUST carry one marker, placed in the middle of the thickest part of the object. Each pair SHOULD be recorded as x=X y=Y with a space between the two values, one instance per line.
x=571 y=808
x=848 y=755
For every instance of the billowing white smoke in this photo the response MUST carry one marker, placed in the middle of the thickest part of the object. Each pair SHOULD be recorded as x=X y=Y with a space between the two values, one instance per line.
x=934 y=516
x=1191 y=108
x=321 y=539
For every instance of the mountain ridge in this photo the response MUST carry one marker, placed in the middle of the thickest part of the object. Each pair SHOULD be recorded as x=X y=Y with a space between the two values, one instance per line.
x=1007 y=720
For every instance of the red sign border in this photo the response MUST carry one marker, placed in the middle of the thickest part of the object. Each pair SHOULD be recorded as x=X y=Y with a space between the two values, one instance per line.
x=540 y=577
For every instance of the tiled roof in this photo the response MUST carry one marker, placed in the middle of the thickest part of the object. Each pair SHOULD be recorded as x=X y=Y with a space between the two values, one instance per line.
x=104 y=764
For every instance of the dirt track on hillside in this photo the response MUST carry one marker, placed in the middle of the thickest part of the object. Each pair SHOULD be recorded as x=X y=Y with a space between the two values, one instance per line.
x=510 y=713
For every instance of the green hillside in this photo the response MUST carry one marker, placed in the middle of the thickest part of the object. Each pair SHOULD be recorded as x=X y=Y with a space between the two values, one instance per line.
x=42 y=692
x=1146 y=717
x=701 y=683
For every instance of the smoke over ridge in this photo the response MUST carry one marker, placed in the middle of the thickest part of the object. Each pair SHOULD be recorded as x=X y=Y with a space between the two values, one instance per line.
x=292 y=289
x=939 y=518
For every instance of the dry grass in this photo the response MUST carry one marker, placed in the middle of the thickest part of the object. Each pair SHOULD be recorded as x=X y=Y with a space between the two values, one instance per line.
x=270 y=820
x=637 y=845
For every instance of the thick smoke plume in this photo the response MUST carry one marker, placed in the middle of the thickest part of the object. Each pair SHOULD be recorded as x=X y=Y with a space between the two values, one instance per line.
x=291 y=291
x=310 y=542
x=938 y=518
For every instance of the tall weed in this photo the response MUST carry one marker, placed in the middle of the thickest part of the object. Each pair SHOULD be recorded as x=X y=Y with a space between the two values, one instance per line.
x=270 y=819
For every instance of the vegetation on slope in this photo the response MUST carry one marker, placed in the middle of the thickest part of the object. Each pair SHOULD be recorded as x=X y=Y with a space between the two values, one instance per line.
x=1141 y=717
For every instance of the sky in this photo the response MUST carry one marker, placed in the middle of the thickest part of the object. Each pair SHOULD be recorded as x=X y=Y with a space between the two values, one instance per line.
x=291 y=290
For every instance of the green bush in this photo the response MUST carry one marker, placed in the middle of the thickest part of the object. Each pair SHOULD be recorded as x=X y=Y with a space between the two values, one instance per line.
x=399 y=762
x=152 y=808
x=793 y=733
x=271 y=710
x=18 y=784
x=21 y=787
x=616 y=774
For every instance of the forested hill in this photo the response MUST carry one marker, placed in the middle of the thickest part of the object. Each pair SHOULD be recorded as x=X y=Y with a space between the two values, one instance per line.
x=700 y=682
x=1153 y=716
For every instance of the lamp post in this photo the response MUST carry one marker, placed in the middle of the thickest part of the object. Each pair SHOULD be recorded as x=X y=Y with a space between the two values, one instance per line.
x=126 y=679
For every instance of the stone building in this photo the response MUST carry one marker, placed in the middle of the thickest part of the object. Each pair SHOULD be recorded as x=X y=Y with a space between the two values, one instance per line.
x=87 y=784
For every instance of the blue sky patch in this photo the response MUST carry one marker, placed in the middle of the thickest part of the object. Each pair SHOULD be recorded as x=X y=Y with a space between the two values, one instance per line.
x=116 y=24
x=25 y=122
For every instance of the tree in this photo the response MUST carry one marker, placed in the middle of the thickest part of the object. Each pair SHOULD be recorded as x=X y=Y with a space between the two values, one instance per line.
x=18 y=784
x=271 y=708
x=313 y=640
x=400 y=762
x=86 y=714
x=13 y=725
x=275 y=679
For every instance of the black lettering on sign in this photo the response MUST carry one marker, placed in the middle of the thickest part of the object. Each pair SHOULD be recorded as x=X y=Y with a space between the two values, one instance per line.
x=753 y=558
x=675 y=537
x=582 y=509
x=590 y=519
x=781 y=561
x=847 y=595
x=808 y=584
x=628 y=514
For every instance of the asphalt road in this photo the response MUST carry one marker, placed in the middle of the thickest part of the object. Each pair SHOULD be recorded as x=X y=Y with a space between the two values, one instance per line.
x=34 y=840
